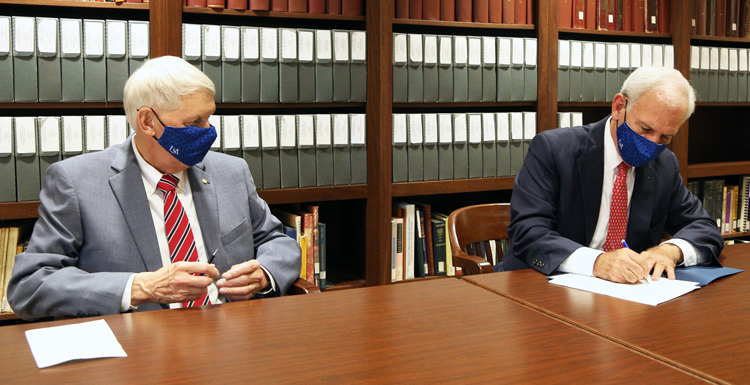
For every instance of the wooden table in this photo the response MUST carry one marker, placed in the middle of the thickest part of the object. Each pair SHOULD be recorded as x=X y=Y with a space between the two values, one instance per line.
x=432 y=331
x=705 y=332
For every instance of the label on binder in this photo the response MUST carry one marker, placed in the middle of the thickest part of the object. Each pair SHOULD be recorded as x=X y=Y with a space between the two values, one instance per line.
x=530 y=52
x=635 y=55
x=268 y=132
x=341 y=46
x=460 y=50
x=288 y=44
x=287 y=132
x=116 y=39
x=415 y=129
x=445 y=127
x=488 y=127
x=250 y=132
x=415 y=48
x=323 y=130
x=6 y=136
x=139 y=40
x=305 y=44
x=503 y=134
x=4 y=36
x=399 y=129
x=430 y=129
x=576 y=54
x=340 y=130
x=358 y=132
x=516 y=125
x=46 y=30
x=399 y=49
x=25 y=136
x=323 y=45
x=72 y=135
x=563 y=53
x=211 y=42
x=250 y=44
x=305 y=131
x=430 y=50
x=269 y=50
x=359 y=46
x=49 y=135
x=231 y=43
x=23 y=35
x=459 y=128
x=231 y=135
x=191 y=37
x=446 y=50
x=475 y=128
x=489 y=48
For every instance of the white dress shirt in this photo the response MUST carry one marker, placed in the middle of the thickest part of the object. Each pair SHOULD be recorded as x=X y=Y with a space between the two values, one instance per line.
x=582 y=260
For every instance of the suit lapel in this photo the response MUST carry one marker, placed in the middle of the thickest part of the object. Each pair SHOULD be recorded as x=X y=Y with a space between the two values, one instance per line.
x=207 y=210
x=591 y=173
x=641 y=203
x=127 y=186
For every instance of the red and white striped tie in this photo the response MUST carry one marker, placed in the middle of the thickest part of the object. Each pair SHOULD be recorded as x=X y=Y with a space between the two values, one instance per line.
x=179 y=234
x=618 y=211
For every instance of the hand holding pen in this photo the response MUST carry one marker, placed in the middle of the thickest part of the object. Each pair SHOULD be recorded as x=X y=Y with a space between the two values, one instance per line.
x=646 y=278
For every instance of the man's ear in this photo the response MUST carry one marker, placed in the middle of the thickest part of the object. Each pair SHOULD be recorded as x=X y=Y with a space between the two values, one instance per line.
x=618 y=107
x=146 y=121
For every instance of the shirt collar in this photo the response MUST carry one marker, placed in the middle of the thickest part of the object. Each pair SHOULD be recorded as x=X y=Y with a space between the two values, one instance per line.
x=151 y=175
x=612 y=158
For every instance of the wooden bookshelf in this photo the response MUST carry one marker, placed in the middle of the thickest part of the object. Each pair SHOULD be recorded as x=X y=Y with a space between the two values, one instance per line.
x=619 y=34
x=735 y=235
x=451 y=186
x=269 y=14
x=460 y=24
x=256 y=106
x=8 y=316
x=19 y=210
x=78 y=4
x=743 y=41
x=717 y=169
x=63 y=106
x=313 y=194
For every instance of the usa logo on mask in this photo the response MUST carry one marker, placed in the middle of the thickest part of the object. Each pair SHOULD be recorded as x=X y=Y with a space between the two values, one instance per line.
x=173 y=150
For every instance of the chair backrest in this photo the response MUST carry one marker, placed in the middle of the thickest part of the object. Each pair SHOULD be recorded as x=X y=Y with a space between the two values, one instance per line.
x=471 y=228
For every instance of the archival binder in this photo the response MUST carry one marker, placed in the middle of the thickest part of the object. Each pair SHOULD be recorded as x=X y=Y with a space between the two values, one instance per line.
x=503 y=144
x=399 y=149
x=211 y=57
x=723 y=74
x=489 y=70
x=489 y=146
x=94 y=133
x=250 y=68
x=306 y=65
x=48 y=60
x=516 y=142
x=24 y=61
x=139 y=43
x=342 y=169
x=341 y=67
x=117 y=129
x=117 y=59
x=358 y=83
x=430 y=68
x=576 y=72
x=7 y=159
x=563 y=71
x=742 y=75
x=475 y=145
x=415 y=91
x=28 y=181
x=72 y=136
x=415 y=153
x=270 y=152
x=475 y=69
x=251 y=150
x=704 y=80
x=460 y=69
x=732 y=79
x=430 y=147
x=713 y=74
x=530 y=70
x=288 y=160
x=231 y=69
x=623 y=67
x=445 y=146
x=323 y=150
x=49 y=143
x=358 y=148
x=460 y=147
x=600 y=72
x=400 y=71
x=587 y=75
x=6 y=68
x=306 y=151
x=192 y=44
x=230 y=135
x=215 y=120
x=445 y=69
x=529 y=130
x=288 y=84
x=269 y=65
x=323 y=66
x=613 y=80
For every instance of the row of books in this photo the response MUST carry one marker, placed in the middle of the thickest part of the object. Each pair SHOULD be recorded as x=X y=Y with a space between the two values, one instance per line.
x=13 y=241
x=728 y=204
x=69 y=60
x=303 y=225
x=432 y=68
x=272 y=65
x=569 y=119
x=595 y=71
x=419 y=242
x=29 y=145
x=333 y=7
x=730 y=18
x=719 y=74
x=429 y=147
x=615 y=15
x=477 y=11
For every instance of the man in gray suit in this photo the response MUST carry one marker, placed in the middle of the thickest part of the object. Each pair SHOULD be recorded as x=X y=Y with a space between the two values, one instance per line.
x=112 y=236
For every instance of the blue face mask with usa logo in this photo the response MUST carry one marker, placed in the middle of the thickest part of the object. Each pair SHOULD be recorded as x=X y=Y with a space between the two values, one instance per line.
x=188 y=144
x=636 y=150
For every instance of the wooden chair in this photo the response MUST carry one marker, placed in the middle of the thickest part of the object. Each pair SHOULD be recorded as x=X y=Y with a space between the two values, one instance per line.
x=301 y=286
x=470 y=227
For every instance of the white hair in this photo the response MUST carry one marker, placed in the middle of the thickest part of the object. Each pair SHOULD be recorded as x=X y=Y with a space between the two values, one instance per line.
x=161 y=84
x=673 y=89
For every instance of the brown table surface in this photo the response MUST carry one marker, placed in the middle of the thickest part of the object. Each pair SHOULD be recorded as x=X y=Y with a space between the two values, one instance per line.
x=431 y=331
x=706 y=332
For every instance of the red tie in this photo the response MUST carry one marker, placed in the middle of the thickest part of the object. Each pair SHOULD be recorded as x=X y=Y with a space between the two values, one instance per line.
x=618 y=211
x=179 y=234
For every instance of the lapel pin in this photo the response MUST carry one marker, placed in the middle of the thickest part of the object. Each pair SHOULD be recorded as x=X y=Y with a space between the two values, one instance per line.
x=205 y=181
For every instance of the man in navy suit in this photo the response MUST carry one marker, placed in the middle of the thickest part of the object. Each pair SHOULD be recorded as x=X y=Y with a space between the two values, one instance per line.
x=563 y=196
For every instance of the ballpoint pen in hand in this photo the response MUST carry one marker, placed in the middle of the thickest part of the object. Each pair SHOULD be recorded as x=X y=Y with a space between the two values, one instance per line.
x=625 y=245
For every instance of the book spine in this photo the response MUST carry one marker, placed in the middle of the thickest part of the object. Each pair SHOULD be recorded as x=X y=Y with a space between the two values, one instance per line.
x=394 y=235
x=733 y=18
x=639 y=16
x=415 y=9
x=352 y=7
x=745 y=204
x=402 y=9
x=423 y=240
x=333 y=7
x=419 y=260
x=721 y=18
x=565 y=13
x=463 y=10
x=438 y=246
x=280 y=5
x=577 y=18
x=509 y=13
x=700 y=17
x=627 y=15
x=651 y=16
x=495 y=11
x=481 y=11
x=400 y=250
x=427 y=224
x=197 y=3
x=735 y=201
x=619 y=13
x=298 y=6
x=448 y=10
x=601 y=15
x=664 y=16
x=590 y=15
x=237 y=4
x=611 y=15
x=216 y=4
x=520 y=12
x=431 y=9
x=745 y=19
x=260 y=5
x=316 y=6
x=323 y=254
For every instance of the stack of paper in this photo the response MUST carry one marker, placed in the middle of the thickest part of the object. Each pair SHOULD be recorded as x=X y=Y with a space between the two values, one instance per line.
x=652 y=293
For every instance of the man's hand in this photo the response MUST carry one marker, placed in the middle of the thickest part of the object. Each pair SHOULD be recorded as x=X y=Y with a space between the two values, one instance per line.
x=178 y=282
x=663 y=258
x=621 y=266
x=242 y=281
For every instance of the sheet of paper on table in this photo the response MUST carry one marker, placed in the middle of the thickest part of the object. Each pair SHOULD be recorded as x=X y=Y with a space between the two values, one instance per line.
x=58 y=344
x=652 y=293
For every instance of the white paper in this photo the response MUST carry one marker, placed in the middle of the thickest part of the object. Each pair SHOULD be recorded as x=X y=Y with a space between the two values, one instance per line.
x=430 y=129
x=503 y=134
x=117 y=129
x=460 y=50
x=231 y=43
x=357 y=129
x=516 y=125
x=94 y=133
x=669 y=56
x=430 y=50
x=530 y=52
x=231 y=135
x=288 y=44
x=459 y=128
x=268 y=131
x=648 y=53
x=305 y=131
x=215 y=120
x=72 y=135
x=359 y=46
x=475 y=128
x=191 y=37
x=475 y=51
x=576 y=54
x=733 y=60
x=6 y=135
x=600 y=55
x=529 y=123
x=415 y=129
x=323 y=45
x=269 y=47
x=93 y=36
x=446 y=50
x=4 y=36
x=305 y=44
x=399 y=49
x=46 y=36
x=624 y=55
x=657 y=60
x=323 y=130
x=55 y=345
x=23 y=35
x=488 y=50
x=576 y=119
x=340 y=130
x=564 y=119
x=652 y=293
x=518 y=56
x=250 y=44
x=139 y=40
x=250 y=132
x=399 y=128
x=743 y=59
x=635 y=55
x=415 y=48
x=488 y=127
x=116 y=38
x=706 y=56
x=563 y=53
x=724 y=59
x=70 y=42
x=287 y=132
x=695 y=57
x=211 y=42
x=25 y=136
x=49 y=135
x=445 y=128
x=612 y=56
x=340 y=46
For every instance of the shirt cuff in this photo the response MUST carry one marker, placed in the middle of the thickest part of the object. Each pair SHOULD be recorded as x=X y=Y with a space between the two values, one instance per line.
x=125 y=303
x=272 y=286
x=581 y=261
x=690 y=255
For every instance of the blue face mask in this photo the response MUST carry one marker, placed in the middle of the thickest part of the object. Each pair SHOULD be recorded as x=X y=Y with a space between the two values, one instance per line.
x=635 y=149
x=188 y=144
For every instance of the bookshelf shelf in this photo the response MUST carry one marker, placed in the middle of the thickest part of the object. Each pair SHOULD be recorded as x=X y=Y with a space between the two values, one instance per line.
x=704 y=170
x=451 y=186
x=313 y=194
x=735 y=235
x=714 y=39
x=584 y=104
x=268 y=14
x=61 y=106
x=292 y=105
x=19 y=210
x=722 y=104
x=460 y=105
x=625 y=34
x=77 y=4
x=459 y=24
x=8 y=316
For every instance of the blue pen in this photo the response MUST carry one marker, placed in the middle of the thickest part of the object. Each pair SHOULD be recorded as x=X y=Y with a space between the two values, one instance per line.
x=625 y=244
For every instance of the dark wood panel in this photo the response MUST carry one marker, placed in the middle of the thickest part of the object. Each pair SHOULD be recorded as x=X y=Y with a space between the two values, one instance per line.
x=458 y=24
x=388 y=334
x=451 y=186
x=735 y=235
x=717 y=169
x=547 y=65
x=699 y=39
x=8 y=316
x=571 y=105
x=313 y=194
x=79 y=4
x=596 y=32
x=704 y=332
x=279 y=15
x=19 y=210
x=291 y=105
x=166 y=28
x=459 y=105
x=15 y=106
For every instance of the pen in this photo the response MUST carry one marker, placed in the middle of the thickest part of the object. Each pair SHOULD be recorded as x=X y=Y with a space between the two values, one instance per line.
x=214 y=256
x=625 y=244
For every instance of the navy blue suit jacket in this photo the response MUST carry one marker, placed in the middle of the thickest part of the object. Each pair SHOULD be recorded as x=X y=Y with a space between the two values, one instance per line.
x=557 y=194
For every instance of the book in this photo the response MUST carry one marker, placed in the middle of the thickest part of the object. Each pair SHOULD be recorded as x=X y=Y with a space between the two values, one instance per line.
x=399 y=249
x=280 y=5
x=10 y=259
x=578 y=14
x=733 y=18
x=3 y=248
x=402 y=9
x=237 y=4
x=509 y=13
x=601 y=15
x=298 y=6
x=260 y=5
x=744 y=19
x=481 y=11
x=323 y=255
x=720 y=18
x=710 y=17
x=735 y=200
x=305 y=271
x=427 y=230
x=295 y=221
x=700 y=10
x=316 y=6
x=315 y=240
x=439 y=245
x=352 y=7
x=495 y=11
x=639 y=16
x=420 y=245
x=651 y=23
x=406 y=211
x=520 y=12
x=448 y=10
x=463 y=10
x=627 y=15
x=663 y=16
x=443 y=218
x=415 y=9
x=565 y=12
x=431 y=9
x=744 y=204
x=217 y=4
x=394 y=237
x=308 y=224
x=333 y=7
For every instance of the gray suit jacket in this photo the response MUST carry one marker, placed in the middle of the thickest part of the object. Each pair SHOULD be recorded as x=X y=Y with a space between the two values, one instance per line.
x=95 y=229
